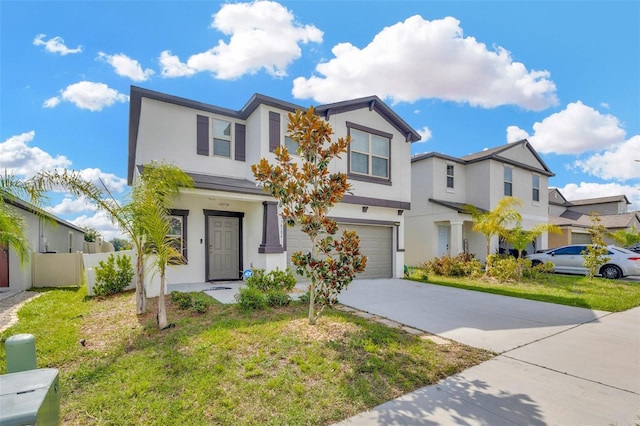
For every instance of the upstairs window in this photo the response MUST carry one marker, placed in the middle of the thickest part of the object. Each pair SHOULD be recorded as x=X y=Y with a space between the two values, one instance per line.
x=535 y=184
x=369 y=154
x=222 y=138
x=508 y=181
x=450 y=176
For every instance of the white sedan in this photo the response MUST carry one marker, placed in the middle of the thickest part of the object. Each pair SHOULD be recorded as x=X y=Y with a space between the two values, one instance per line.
x=570 y=260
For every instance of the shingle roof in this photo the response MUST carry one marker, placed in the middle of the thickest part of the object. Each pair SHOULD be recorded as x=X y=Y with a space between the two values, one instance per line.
x=459 y=207
x=583 y=220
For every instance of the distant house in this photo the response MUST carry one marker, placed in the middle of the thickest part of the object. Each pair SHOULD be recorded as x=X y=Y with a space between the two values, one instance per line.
x=574 y=217
x=441 y=186
x=227 y=223
x=46 y=233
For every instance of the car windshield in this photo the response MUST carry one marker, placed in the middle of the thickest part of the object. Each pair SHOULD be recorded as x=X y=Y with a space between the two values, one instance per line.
x=622 y=250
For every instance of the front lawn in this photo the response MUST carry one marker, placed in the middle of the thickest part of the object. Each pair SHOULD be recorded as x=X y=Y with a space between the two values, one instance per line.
x=226 y=366
x=572 y=290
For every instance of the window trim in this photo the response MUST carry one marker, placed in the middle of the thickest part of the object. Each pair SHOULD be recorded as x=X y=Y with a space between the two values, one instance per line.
x=369 y=177
x=214 y=137
x=507 y=183
x=450 y=176
x=535 y=190
x=182 y=214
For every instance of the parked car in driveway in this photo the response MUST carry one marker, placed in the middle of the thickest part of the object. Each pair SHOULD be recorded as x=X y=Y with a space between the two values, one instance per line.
x=569 y=260
x=634 y=248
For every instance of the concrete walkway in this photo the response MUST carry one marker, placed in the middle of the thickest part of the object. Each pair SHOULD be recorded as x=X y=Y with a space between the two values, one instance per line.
x=558 y=365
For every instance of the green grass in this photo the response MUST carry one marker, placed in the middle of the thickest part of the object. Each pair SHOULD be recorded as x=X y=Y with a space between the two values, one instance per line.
x=572 y=290
x=225 y=366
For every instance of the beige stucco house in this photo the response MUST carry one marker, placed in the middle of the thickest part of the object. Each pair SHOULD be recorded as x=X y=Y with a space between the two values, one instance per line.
x=574 y=217
x=227 y=223
x=441 y=186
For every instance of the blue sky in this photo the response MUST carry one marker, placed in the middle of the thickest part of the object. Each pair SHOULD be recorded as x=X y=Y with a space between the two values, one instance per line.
x=468 y=75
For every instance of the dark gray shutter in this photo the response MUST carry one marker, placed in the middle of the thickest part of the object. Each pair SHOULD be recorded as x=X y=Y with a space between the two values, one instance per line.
x=202 y=130
x=241 y=142
x=274 y=130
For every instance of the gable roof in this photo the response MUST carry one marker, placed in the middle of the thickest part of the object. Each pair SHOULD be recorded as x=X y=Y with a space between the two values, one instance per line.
x=23 y=205
x=587 y=201
x=583 y=220
x=553 y=194
x=372 y=102
x=494 y=154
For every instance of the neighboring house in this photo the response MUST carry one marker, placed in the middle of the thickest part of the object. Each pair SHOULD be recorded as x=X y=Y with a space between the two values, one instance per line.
x=45 y=233
x=441 y=186
x=574 y=217
x=226 y=223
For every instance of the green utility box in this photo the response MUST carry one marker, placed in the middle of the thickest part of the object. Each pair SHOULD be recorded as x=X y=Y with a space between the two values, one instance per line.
x=30 y=398
x=21 y=353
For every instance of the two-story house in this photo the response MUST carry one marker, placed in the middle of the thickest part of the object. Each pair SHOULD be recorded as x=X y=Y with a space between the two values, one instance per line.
x=439 y=224
x=574 y=217
x=227 y=224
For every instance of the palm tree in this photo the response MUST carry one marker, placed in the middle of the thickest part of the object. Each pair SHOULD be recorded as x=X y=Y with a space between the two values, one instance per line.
x=152 y=197
x=12 y=225
x=496 y=221
x=519 y=238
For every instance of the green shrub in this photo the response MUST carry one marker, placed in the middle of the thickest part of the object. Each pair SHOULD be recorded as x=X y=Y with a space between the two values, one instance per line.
x=182 y=300
x=462 y=265
x=250 y=298
x=504 y=268
x=304 y=297
x=277 y=298
x=273 y=280
x=114 y=275
x=200 y=306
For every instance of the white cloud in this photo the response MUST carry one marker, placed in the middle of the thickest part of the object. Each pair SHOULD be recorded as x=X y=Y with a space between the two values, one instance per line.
x=88 y=95
x=618 y=162
x=264 y=35
x=51 y=102
x=126 y=67
x=55 y=45
x=112 y=182
x=515 y=134
x=17 y=157
x=594 y=190
x=100 y=222
x=576 y=129
x=70 y=205
x=418 y=59
x=172 y=67
x=425 y=134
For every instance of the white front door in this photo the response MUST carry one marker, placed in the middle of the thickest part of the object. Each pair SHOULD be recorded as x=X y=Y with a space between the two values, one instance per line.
x=444 y=240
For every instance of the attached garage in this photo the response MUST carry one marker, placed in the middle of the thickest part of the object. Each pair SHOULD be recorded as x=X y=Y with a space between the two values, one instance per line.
x=376 y=242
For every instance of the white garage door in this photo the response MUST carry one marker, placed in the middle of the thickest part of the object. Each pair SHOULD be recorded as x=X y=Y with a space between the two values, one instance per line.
x=376 y=242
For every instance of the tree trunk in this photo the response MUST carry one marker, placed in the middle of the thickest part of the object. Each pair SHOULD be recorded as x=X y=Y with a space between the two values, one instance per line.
x=312 y=287
x=141 y=294
x=162 y=310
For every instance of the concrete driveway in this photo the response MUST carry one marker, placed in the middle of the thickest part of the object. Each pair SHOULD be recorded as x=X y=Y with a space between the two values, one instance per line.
x=557 y=365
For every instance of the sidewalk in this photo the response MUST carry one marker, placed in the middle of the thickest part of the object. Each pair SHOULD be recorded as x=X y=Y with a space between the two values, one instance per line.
x=10 y=302
x=558 y=365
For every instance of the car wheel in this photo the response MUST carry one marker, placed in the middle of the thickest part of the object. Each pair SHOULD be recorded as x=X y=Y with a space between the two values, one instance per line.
x=611 y=272
x=536 y=262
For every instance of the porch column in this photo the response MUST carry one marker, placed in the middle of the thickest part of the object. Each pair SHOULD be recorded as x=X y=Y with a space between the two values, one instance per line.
x=270 y=232
x=456 y=238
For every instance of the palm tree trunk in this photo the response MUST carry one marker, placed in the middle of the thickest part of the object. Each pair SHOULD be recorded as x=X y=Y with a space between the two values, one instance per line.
x=162 y=310
x=141 y=294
